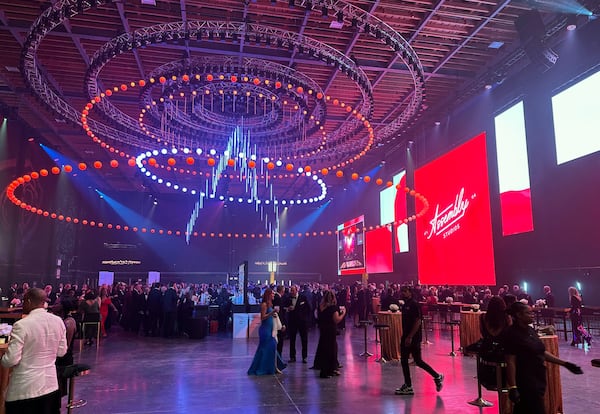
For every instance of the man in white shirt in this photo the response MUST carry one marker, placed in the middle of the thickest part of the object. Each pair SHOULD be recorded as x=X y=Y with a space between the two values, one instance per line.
x=36 y=341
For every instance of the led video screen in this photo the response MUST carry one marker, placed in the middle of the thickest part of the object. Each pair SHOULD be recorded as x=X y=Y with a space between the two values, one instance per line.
x=392 y=208
x=351 y=247
x=378 y=248
x=454 y=237
x=575 y=113
x=513 y=171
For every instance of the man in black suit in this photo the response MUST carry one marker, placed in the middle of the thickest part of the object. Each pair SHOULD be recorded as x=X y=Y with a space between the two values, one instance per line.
x=298 y=317
x=278 y=301
x=154 y=310
x=169 y=308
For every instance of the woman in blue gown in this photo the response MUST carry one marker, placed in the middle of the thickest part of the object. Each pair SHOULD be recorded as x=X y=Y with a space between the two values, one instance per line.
x=267 y=360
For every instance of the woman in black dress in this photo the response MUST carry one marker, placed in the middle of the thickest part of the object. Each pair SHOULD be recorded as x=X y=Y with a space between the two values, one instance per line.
x=330 y=315
x=579 y=333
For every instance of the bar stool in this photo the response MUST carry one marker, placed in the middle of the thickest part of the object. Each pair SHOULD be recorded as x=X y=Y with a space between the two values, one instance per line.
x=480 y=401
x=452 y=324
x=425 y=320
x=378 y=328
x=89 y=320
x=70 y=373
x=365 y=324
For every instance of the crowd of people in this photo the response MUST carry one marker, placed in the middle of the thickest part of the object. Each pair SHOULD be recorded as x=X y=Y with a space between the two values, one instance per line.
x=288 y=313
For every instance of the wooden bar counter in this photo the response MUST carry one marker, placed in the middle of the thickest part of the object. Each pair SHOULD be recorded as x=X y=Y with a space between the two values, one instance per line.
x=470 y=331
x=553 y=396
x=390 y=339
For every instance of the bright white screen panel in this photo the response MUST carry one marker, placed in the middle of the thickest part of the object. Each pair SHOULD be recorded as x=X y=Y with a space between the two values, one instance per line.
x=576 y=120
x=513 y=171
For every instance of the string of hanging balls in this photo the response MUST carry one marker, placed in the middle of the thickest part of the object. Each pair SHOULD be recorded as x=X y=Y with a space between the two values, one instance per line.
x=67 y=169
x=210 y=160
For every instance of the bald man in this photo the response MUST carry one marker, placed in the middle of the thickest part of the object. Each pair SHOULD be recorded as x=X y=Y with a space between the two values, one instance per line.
x=36 y=341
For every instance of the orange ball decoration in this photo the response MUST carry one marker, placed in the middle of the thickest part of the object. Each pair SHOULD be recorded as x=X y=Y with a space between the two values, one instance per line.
x=319 y=95
x=209 y=77
x=123 y=87
x=367 y=179
x=307 y=168
x=189 y=160
x=339 y=173
x=67 y=168
x=97 y=165
x=231 y=162
x=142 y=83
x=277 y=84
x=162 y=79
x=44 y=172
x=171 y=161
x=82 y=166
x=114 y=163
x=185 y=78
x=152 y=162
x=211 y=162
x=270 y=166
x=324 y=171
x=35 y=175
x=354 y=176
x=336 y=102
x=289 y=167
x=131 y=162
x=379 y=181
x=300 y=89
x=256 y=81
x=234 y=78
x=389 y=184
x=55 y=170
x=252 y=164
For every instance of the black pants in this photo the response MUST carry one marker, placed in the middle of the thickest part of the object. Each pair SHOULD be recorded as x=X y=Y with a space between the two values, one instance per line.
x=415 y=350
x=45 y=404
x=280 y=339
x=302 y=329
x=531 y=403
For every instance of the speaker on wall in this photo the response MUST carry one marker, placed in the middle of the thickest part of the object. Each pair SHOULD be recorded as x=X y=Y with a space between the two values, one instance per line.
x=532 y=30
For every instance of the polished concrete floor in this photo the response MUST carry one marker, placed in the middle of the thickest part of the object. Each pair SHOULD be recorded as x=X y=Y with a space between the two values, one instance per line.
x=132 y=374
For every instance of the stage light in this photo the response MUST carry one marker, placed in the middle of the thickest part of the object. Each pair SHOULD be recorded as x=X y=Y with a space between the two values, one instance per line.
x=324 y=12
x=279 y=163
x=164 y=151
x=155 y=201
x=213 y=151
x=571 y=23
x=488 y=86
x=340 y=17
x=173 y=150
x=292 y=4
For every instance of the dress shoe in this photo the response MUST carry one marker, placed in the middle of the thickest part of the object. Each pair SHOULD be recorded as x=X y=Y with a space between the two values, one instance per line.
x=292 y=360
x=304 y=360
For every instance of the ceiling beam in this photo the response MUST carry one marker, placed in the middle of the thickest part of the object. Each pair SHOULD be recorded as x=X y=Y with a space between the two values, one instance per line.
x=127 y=28
x=462 y=44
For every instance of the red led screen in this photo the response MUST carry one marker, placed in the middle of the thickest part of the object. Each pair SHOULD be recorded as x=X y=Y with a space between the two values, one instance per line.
x=378 y=250
x=351 y=247
x=454 y=237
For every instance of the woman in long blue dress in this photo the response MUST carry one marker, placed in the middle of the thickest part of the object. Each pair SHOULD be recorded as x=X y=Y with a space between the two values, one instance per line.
x=267 y=360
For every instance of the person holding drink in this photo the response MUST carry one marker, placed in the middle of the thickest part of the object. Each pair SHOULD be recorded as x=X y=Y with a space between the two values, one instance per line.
x=329 y=315
x=267 y=360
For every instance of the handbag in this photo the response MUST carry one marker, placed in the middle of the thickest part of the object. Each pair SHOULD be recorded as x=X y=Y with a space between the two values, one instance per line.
x=277 y=326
